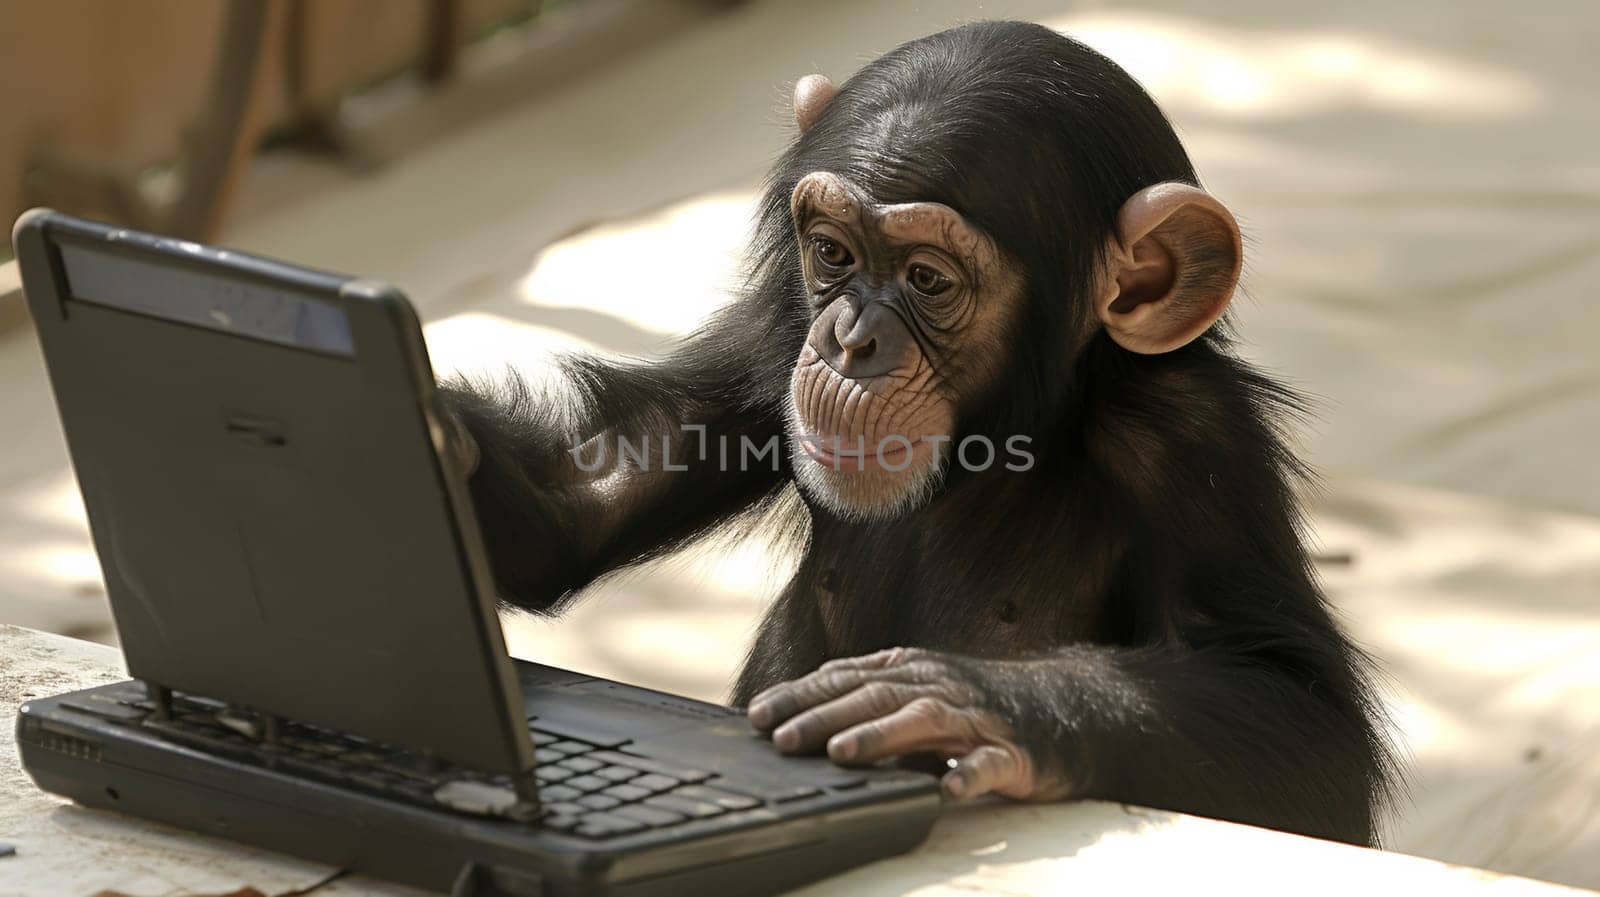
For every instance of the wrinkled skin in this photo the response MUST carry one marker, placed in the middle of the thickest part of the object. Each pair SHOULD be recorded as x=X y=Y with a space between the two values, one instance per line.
x=910 y=302
x=903 y=702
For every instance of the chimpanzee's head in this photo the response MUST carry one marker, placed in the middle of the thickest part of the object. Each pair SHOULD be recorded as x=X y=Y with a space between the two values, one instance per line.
x=969 y=212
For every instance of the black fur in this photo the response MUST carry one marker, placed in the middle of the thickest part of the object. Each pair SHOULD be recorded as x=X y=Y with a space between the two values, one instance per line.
x=1149 y=567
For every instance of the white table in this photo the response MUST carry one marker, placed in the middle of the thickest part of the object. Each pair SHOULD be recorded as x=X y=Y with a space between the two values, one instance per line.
x=1000 y=849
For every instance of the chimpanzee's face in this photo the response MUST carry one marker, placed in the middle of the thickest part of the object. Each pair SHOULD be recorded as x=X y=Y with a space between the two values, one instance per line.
x=909 y=303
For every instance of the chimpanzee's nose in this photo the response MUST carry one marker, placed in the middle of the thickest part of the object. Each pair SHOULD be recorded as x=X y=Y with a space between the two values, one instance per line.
x=861 y=339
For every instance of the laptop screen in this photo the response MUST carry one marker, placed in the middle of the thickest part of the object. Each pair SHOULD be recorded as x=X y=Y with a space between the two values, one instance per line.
x=258 y=311
x=271 y=516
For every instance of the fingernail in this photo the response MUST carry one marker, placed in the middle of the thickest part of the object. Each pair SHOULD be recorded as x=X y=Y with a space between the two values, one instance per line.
x=760 y=715
x=786 y=738
x=842 y=748
x=956 y=786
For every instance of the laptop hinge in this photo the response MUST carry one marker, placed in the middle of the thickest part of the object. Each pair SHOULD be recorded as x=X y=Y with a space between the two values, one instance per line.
x=527 y=789
x=271 y=728
x=161 y=697
x=483 y=880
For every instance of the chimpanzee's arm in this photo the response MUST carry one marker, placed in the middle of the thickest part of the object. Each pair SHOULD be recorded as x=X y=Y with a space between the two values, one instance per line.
x=1237 y=735
x=1202 y=731
x=561 y=493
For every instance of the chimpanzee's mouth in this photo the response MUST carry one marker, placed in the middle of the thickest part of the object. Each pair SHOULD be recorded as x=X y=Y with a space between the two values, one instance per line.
x=853 y=425
x=894 y=453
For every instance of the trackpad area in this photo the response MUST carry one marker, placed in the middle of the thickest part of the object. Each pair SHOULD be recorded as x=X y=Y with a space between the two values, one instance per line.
x=695 y=734
x=609 y=713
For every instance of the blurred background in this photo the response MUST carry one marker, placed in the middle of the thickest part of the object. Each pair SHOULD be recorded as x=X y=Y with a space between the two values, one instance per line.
x=1419 y=184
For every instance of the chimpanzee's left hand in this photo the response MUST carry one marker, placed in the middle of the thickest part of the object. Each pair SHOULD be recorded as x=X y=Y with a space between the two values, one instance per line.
x=908 y=701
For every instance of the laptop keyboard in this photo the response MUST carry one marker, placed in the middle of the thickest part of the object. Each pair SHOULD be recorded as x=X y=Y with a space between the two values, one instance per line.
x=598 y=792
x=587 y=789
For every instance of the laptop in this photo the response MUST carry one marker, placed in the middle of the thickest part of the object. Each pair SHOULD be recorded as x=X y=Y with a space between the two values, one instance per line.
x=305 y=606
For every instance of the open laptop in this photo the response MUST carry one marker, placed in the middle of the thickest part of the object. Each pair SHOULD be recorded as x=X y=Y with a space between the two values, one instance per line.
x=304 y=601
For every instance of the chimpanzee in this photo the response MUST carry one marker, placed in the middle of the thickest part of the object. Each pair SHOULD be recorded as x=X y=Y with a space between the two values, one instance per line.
x=1049 y=534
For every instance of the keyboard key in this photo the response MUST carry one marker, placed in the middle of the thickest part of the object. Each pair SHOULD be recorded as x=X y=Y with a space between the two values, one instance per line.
x=198 y=702
x=598 y=802
x=311 y=766
x=546 y=755
x=723 y=799
x=204 y=739
x=244 y=725
x=416 y=789
x=553 y=773
x=650 y=764
x=695 y=809
x=617 y=773
x=476 y=797
x=655 y=817
x=777 y=792
x=192 y=728
x=563 y=732
x=559 y=793
x=587 y=783
x=411 y=766
x=372 y=778
x=560 y=823
x=572 y=747
x=655 y=782
x=627 y=792
x=564 y=808
x=204 y=721
x=605 y=825
x=582 y=764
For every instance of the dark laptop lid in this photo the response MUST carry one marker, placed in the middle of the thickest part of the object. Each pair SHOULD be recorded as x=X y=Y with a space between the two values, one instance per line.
x=272 y=518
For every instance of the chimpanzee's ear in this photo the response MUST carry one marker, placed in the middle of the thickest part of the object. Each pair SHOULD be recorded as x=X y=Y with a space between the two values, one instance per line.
x=1173 y=265
x=812 y=95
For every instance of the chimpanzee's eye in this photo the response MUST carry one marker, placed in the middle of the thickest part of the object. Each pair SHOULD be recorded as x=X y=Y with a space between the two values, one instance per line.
x=927 y=281
x=831 y=253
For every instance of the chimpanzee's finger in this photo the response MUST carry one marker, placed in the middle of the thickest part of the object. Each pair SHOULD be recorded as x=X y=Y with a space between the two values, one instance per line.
x=832 y=679
x=811 y=728
x=786 y=699
x=923 y=724
x=877 y=660
x=455 y=443
x=988 y=768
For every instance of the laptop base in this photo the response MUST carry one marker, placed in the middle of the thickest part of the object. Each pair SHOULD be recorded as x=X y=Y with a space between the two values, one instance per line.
x=809 y=820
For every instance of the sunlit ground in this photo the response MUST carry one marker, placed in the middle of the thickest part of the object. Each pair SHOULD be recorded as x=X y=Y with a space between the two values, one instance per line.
x=1256 y=73
x=1423 y=209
